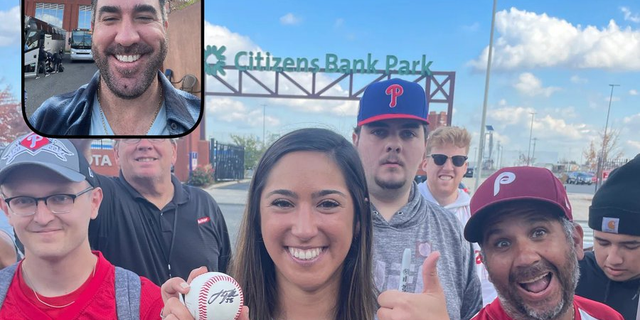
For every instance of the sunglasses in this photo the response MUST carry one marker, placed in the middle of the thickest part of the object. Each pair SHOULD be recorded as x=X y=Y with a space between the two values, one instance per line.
x=440 y=159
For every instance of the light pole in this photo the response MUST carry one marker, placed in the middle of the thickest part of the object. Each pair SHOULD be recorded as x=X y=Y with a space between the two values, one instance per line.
x=533 y=154
x=530 y=133
x=497 y=166
x=264 y=116
x=490 y=134
x=486 y=97
x=605 y=140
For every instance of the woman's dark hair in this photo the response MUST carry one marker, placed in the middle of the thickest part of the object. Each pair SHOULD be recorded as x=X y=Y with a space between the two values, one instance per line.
x=253 y=267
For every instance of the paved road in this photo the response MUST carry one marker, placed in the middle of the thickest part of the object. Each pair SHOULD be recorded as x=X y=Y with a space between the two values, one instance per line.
x=580 y=188
x=233 y=196
x=74 y=75
x=232 y=199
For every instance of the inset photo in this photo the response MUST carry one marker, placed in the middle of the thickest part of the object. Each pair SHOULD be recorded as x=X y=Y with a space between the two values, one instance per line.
x=105 y=68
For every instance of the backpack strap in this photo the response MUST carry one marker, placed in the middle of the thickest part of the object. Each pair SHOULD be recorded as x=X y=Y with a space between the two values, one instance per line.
x=128 y=289
x=6 y=275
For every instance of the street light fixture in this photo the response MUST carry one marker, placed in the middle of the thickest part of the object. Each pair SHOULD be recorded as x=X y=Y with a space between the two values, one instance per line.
x=530 y=134
x=533 y=154
x=486 y=97
x=490 y=134
x=264 y=116
x=604 y=140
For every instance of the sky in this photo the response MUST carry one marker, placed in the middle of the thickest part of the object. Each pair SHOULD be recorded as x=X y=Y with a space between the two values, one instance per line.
x=10 y=71
x=552 y=58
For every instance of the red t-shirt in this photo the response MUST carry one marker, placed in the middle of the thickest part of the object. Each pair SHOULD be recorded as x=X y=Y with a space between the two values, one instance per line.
x=584 y=309
x=95 y=299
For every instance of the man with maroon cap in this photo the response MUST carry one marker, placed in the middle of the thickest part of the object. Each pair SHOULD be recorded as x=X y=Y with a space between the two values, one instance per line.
x=521 y=218
x=390 y=137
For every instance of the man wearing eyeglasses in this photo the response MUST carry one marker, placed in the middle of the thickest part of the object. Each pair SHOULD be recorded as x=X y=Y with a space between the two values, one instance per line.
x=151 y=223
x=445 y=164
x=391 y=139
x=49 y=195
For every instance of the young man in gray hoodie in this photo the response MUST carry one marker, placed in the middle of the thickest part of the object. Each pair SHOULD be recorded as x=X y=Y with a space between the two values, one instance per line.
x=445 y=164
x=391 y=139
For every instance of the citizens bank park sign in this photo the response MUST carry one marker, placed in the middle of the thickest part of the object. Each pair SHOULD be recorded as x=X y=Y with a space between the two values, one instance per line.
x=330 y=63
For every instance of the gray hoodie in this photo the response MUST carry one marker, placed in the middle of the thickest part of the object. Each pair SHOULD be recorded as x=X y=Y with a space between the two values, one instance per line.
x=424 y=227
x=461 y=209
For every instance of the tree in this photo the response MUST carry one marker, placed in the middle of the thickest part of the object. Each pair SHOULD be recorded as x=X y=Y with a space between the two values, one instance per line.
x=12 y=123
x=523 y=160
x=612 y=151
x=590 y=156
x=252 y=149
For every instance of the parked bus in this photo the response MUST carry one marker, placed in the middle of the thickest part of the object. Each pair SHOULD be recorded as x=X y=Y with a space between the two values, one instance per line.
x=38 y=33
x=80 y=42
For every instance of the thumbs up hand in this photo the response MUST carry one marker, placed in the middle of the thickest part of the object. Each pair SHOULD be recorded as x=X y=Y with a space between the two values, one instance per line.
x=430 y=304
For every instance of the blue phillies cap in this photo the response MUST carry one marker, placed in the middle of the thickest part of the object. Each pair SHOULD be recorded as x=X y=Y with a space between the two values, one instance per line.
x=393 y=99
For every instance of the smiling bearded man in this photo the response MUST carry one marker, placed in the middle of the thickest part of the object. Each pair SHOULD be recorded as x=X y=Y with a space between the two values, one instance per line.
x=128 y=55
x=521 y=218
x=128 y=95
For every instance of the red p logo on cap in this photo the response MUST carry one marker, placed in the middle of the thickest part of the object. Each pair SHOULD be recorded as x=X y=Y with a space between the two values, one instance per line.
x=395 y=90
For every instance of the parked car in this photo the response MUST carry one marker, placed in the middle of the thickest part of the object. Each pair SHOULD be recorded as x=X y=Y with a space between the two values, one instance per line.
x=572 y=177
x=584 y=178
x=469 y=173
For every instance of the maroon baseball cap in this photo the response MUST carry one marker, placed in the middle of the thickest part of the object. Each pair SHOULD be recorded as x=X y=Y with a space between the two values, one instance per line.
x=513 y=184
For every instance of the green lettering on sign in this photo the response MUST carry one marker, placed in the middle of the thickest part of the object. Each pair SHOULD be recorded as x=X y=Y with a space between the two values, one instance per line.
x=264 y=61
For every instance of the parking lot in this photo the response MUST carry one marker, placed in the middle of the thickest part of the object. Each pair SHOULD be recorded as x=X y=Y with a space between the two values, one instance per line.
x=75 y=74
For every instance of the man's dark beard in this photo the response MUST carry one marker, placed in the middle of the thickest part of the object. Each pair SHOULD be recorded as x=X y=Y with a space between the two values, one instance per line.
x=568 y=278
x=150 y=70
x=390 y=185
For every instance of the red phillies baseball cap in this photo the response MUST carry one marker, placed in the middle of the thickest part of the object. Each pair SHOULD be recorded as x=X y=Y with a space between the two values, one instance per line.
x=513 y=184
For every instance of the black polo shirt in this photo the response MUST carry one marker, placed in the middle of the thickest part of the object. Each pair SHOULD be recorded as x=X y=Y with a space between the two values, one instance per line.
x=134 y=234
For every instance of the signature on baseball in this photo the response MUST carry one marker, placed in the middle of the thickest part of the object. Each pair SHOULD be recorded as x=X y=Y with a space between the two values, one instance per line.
x=226 y=296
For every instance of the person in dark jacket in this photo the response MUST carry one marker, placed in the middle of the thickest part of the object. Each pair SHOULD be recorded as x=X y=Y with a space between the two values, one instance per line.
x=56 y=61
x=128 y=95
x=611 y=273
x=42 y=62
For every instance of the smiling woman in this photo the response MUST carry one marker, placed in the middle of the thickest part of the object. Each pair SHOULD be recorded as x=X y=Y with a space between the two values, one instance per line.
x=304 y=247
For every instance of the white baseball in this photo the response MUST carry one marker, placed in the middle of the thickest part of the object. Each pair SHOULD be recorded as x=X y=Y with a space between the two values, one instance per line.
x=214 y=296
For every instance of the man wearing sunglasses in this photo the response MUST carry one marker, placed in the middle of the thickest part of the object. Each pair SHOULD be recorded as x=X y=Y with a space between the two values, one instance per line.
x=151 y=223
x=445 y=164
x=391 y=139
x=49 y=195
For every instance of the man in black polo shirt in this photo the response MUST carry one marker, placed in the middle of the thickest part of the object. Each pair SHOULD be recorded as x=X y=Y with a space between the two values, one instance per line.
x=152 y=224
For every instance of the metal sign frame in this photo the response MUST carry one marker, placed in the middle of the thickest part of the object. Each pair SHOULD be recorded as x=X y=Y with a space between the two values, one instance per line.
x=442 y=82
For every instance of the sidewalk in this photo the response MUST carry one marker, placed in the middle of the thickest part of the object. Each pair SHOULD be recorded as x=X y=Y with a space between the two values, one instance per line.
x=226 y=183
x=580 y=203
x=228 y=196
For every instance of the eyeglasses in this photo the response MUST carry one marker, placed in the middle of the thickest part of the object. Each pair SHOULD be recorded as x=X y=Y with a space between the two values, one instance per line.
x=56 y=203
x=136 y=141
x=440 y=159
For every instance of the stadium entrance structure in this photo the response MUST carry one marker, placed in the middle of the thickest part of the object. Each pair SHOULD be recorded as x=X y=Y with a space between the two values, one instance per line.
x=439 y=85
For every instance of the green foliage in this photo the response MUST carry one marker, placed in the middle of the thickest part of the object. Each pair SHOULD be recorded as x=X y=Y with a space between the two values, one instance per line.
x=202 y=176
x=253 y=148
x=12 y=124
